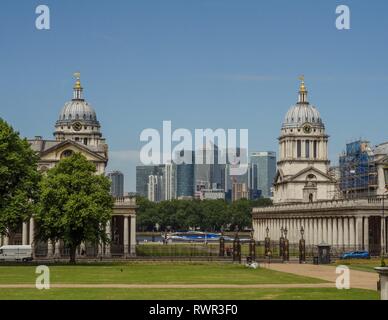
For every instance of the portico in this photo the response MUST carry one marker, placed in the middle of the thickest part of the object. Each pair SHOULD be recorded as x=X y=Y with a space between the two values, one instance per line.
x=122 y=241
x=356 y=224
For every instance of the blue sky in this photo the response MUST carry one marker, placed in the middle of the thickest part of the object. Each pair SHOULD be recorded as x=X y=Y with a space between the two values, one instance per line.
x=199 y=63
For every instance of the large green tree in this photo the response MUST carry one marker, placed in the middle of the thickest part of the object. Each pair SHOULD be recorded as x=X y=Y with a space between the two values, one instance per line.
x=75 y=204
x=19 y=179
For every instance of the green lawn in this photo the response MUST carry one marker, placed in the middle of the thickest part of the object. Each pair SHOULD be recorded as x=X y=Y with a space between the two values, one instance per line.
x=152 y=273
x=167 y=273
x=360 y=264
x=188 y=294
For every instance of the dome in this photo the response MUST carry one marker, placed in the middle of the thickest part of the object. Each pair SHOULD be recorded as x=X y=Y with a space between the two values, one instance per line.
x=302 y=113
x=77 y=110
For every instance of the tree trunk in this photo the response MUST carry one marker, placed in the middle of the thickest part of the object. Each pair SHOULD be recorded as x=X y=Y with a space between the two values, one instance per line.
x=73 y=250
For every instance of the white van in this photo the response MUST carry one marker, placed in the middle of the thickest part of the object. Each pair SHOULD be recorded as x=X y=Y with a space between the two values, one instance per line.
x=16 y=253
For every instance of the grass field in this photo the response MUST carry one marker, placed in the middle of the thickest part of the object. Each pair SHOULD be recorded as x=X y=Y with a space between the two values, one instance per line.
x=168 y=273
x=361 y=264
x=153 y=273
x=188 y=294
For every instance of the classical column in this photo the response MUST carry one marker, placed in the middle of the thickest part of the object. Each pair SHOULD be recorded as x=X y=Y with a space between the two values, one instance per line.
x=32 y=231
x=25 y=234
x=133 y=236
x=383 y=249
x=352 y=240
x=316 y=241
x=359 y=226
x=346 y=233
x=57 y=249
x=325 y=237
x=330 y=231
x=340 y=232
x=109 y=235
x=50 y=249
x=320 y=238
x=335 y=232
x=366 y=233
x=126 y=236
x=310 y=231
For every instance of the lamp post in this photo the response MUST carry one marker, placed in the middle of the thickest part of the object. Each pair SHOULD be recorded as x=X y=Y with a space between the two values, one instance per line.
x=267 y=243
x=237 y=248
x=384 y=231
x=252 y=248
x=286 y=247
x=281 y=242
x=222 y=244
x=302 y=247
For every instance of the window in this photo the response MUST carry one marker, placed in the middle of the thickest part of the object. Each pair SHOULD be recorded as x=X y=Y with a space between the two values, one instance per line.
x=315 y=149
x=85 y=141
x=311 y=197
x=67 y=153
x=386 y=176
x=307 y=148
x=299 y=149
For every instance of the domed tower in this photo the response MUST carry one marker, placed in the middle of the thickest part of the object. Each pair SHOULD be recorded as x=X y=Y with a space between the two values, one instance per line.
x=78 y=121
x=303 y=164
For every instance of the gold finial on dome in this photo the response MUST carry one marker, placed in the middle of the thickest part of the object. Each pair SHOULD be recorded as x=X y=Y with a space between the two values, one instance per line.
x=77 y=76
x=77 y=94
x=302 y=86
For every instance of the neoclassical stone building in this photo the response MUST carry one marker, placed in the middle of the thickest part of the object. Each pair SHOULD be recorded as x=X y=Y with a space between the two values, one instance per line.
x=78 y=130
x=306 y=195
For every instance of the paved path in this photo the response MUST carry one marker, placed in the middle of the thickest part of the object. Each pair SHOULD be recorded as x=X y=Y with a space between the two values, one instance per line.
x=358 y=279
x=171 y=286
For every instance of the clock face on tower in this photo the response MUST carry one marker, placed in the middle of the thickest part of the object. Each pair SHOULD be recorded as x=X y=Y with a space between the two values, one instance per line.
x=307 y=129
x=77 y=126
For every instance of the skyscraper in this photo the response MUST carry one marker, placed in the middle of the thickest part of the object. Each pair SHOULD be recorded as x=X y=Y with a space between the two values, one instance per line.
x=185 y=177
x=117 y=185
x=266 y=171
x=155 y=188
x=170 y=180
x=142 y=174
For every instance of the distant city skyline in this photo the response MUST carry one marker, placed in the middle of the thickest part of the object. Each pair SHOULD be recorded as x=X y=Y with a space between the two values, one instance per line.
x=200 y=64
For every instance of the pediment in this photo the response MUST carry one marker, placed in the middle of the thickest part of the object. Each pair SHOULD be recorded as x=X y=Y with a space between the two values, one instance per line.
x=383 y=161
x=279 y=177
x=55 y=153
x=302 y=176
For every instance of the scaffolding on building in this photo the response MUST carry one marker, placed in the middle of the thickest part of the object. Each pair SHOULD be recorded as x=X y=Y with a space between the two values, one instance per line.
x=358 y=173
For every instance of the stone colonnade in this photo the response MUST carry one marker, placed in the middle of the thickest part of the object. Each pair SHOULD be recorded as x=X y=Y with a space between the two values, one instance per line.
x=347 y=231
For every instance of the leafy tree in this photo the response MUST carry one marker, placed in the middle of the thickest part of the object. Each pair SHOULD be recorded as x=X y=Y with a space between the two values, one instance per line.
x=241 y=214
x=75 y=204
x=19 y=179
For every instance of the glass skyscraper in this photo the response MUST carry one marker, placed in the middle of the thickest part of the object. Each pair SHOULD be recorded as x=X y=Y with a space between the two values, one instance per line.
x=117 y=183
x=142 y=177
x=266 y=171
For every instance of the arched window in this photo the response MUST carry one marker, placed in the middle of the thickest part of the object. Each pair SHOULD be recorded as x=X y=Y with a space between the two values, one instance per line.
x=66 y=154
